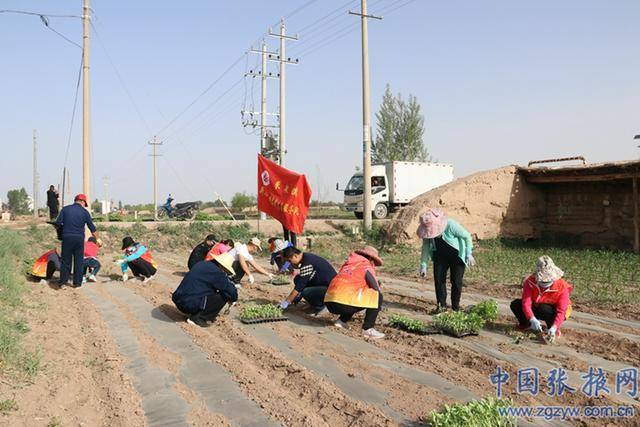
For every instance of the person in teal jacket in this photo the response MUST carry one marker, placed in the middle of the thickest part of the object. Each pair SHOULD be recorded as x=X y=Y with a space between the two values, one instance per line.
x=449 y=245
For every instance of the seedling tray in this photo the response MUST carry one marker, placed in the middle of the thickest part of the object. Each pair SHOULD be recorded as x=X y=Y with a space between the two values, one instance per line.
x=426 y=331
x=455 y=335
x=263 y=320
x=280 y=283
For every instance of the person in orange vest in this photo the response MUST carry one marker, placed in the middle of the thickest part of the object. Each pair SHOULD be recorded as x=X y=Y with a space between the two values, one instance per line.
x=356 y=288
x=138 y=258
x=545 y=296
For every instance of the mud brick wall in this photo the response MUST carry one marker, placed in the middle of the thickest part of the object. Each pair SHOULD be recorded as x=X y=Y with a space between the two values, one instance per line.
x=596 y=214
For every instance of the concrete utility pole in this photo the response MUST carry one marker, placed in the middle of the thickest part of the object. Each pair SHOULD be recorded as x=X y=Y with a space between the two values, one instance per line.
x=86 y=103
x=36 y=184
x=283 y=60
x=154 y=143
x=105 y=183
x=366 y=117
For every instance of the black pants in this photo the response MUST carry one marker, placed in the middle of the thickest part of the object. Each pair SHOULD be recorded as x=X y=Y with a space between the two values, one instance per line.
x=72 y=249
x=290 y=236
x=53 y=212
x=314 y=295
x=140 y=267
x=442 y=264
x=545 y=312
x=239 y=272
x=346 y=312
x=211 y=307
x=51 y=268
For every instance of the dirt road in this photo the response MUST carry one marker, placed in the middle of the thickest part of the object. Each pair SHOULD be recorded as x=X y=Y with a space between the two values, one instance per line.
x=121 y=355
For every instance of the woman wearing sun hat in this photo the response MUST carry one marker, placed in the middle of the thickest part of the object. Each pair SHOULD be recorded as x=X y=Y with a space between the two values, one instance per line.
x=449 y=245
x=356 y=288
x=545 y=295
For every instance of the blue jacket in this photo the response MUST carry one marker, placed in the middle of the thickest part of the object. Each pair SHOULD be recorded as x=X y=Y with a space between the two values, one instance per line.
x=73 y=218
x=314 y=271
x=204 y=279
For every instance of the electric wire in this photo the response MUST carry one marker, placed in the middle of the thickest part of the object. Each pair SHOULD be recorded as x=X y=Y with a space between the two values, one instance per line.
x=73 y=112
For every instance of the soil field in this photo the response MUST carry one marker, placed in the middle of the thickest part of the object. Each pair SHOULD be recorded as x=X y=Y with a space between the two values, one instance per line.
x=120 y=354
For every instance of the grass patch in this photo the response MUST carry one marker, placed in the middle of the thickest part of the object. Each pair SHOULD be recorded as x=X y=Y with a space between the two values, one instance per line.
x=54 y=422
x=8 y=405
x=14 y=359
x=477 y=413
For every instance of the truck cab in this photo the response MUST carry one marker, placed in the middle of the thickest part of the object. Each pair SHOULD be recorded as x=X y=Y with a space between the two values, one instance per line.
x=393 y=185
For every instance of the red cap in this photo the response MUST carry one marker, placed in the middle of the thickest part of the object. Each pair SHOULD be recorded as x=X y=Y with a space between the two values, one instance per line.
x=81 y=197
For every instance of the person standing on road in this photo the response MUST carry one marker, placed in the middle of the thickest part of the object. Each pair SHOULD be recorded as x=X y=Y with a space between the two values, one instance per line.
x=73 y=219
x=138 y=258
x=200 y=252
x=316 y=273
x=545 y=296
x=243 y=258
x=205 y=290
x=356 y=288
x=53 y=203
x=449 y=245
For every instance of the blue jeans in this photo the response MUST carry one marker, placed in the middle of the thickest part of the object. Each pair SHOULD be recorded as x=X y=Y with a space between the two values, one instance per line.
x=93 y=264
x=314 y=295
x=72 y=250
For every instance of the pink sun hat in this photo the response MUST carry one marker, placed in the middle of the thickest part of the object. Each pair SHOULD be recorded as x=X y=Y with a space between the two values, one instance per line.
x=432 y=223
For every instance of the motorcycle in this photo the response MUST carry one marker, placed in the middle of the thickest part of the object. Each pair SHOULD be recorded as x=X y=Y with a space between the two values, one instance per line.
x=181 y=211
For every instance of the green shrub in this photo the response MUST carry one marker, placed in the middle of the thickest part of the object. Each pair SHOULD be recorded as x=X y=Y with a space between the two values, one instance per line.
x=477 y=413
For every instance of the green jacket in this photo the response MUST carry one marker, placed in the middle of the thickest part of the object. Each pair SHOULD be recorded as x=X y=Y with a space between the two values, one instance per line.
x=456 y=236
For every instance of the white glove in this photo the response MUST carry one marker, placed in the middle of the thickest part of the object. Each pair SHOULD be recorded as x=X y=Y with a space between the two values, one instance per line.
x=125 y=277
x=551 y=333
x=471 y=261
x=284 y=304
x=423 y=271
x=271 y=276
x=118 y=262
x=535 y=324
x=252 y=279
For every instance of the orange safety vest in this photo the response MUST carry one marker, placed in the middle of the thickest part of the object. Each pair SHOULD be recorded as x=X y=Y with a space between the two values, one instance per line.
x=349 y=286
x=147 y=257
x=40 y=266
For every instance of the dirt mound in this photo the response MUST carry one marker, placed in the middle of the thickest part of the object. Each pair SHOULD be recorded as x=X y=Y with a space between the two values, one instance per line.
x=489 y=204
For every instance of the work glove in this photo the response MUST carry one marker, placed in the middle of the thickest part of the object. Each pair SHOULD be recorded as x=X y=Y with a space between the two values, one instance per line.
x=284 y=304
x=551 y=333
x=252 y=279
x=423 y=271
x=271 y=276
x=535 y=324
x=125 y=277
x=471 y=261
x=118 y=262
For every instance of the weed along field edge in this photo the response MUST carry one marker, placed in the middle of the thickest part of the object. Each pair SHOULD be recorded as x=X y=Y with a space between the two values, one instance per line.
x=121 y=353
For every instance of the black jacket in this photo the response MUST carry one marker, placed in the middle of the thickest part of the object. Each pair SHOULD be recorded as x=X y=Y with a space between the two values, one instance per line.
x=198 y=254
x=204 y=279
x=52 y=199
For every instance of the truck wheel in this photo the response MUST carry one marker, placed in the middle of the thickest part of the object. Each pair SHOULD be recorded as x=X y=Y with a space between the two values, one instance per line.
x=359 y=215
x=380 y=211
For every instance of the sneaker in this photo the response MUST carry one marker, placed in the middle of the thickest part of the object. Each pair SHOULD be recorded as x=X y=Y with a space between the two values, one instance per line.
x=148 y=279
x=439 y=309
x=44 y=282
x=197 y=321
x=321 y=311
x=62 y=285
x=84 y=280
x=340 y=324
x=92 y=278
x=372 y=334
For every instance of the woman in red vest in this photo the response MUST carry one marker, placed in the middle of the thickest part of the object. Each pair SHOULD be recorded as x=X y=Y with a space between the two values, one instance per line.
x=545 y=296
x=356 y=288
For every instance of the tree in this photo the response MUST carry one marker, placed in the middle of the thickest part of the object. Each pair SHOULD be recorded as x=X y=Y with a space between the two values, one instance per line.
x=400 y=128
x=243 y=200
x=96 y=206
x=18 y=201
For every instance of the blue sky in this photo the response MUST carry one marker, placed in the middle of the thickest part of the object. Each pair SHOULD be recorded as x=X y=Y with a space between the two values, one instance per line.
x=500 y=82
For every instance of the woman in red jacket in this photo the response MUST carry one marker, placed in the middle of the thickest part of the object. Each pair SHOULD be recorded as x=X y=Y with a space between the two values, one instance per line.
x=545 y=296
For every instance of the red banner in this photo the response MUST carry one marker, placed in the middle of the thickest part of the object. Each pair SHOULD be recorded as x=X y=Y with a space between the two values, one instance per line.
x=283 y=194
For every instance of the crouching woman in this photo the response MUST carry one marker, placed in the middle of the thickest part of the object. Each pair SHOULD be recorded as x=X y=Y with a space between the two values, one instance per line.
x=138 y=258
x=356 y=288
x=205 y=290
x=545 y=296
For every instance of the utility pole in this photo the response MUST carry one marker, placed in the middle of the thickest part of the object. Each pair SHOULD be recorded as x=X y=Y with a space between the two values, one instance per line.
x=107 y=204
x=154 y=143
x=366 y=117
x=36 y=184
x=283 y=60
x=86 y=103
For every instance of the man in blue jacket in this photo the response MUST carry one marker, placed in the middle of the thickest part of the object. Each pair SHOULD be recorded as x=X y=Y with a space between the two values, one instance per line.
x=72 y=220
x=205 y=290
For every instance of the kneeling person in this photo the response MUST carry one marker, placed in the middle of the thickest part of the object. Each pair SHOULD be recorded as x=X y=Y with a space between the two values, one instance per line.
x=205 y=290
x=311 y=284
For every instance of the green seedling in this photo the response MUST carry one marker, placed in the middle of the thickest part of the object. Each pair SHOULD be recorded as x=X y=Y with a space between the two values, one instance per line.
x=281 y=279
x=260 y=311
x=477 y=413
x=407 y=323
x=458 y=323
x=487 y=310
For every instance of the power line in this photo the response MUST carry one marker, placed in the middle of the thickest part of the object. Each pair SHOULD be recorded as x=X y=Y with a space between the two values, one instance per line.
x=49 y=15
x=73 y=114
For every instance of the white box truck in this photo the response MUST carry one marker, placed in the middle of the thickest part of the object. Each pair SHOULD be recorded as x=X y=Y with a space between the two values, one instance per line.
x=394 y=184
